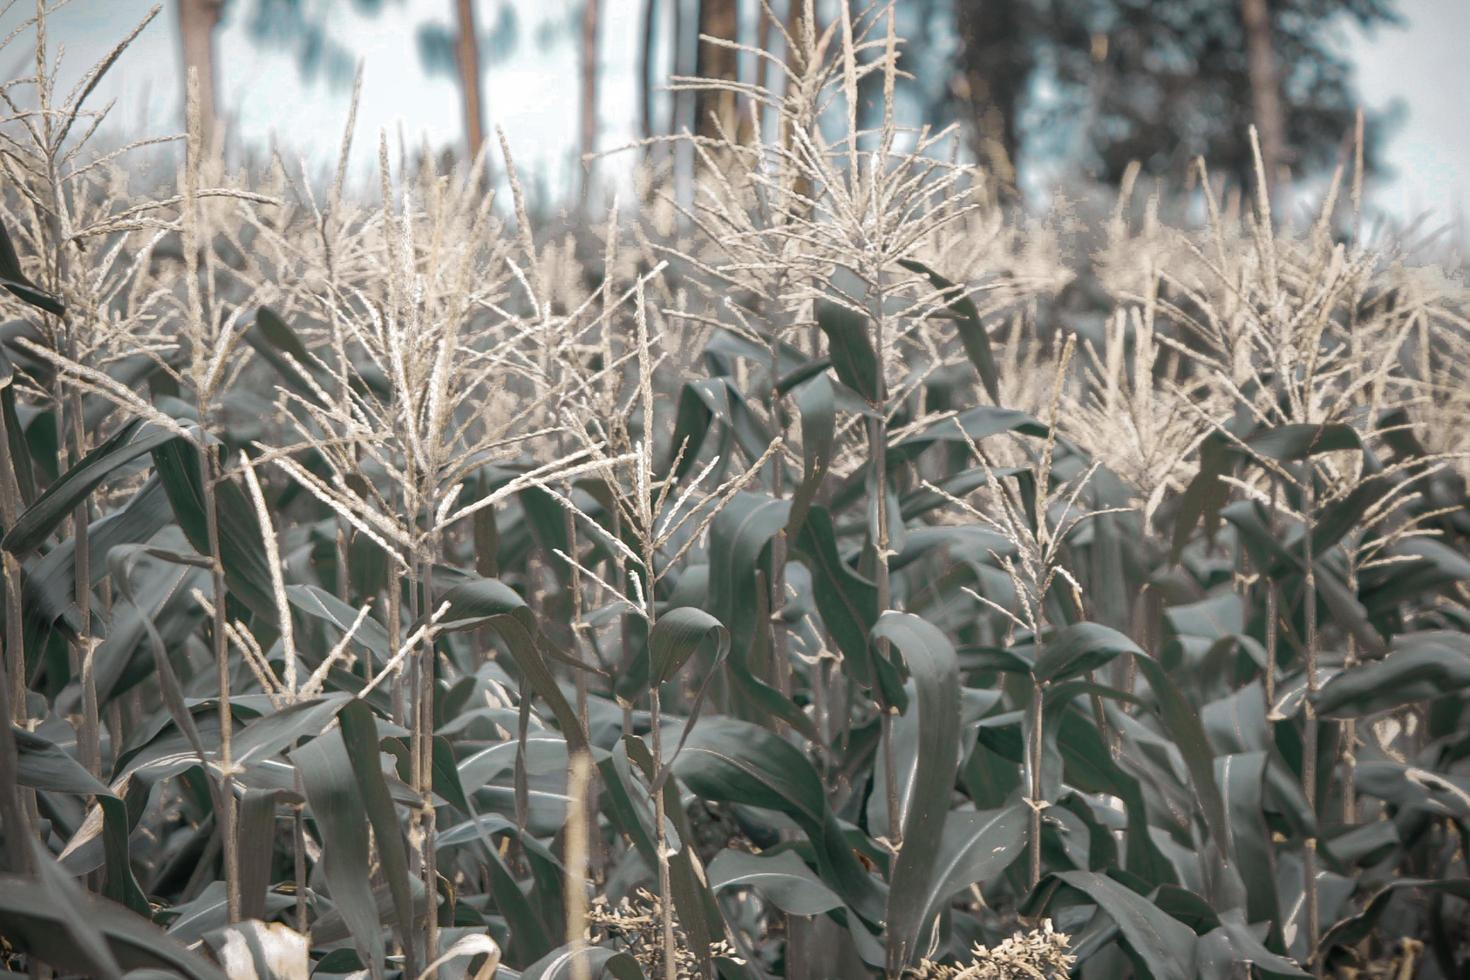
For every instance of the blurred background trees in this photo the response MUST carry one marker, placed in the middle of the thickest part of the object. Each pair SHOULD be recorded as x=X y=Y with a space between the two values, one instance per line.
x=1166 y=83
x=1098 y=84
x=1102 y=83
x=1081 y=87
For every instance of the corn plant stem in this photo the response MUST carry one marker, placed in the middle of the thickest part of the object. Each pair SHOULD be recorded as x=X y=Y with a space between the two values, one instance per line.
x=66 y=459
x=1348 y=745
x=425 y=730
x=229 y=844
x=661 y=837
x=90 y=742
x=298 y=840
x=298 y=858
x=780 y=656
x=890 y=770
x=17 y=806
x=78 y=649
x=10 y=508
x=620 y=576
x=848 y=690
x=417 y=770
x=344 y=583
x=395 y=637
x=414 y=701
x=1309 y=713
x=1273 y=601
x=12 y=813
x=415 y=666
x=665 y=885
x=575 y=854
x=1145 y=618
x=15 y=666
x=535 y=598
x=656 y=732
x=593 y=855
x=780 y=664
x=71 y=428
x=878 y=469
x=12 y=680
x=818 y=673
x=116 y=732
x=574 y=585
x=1245 y=587
x=1034 y=744
x=1100 y=713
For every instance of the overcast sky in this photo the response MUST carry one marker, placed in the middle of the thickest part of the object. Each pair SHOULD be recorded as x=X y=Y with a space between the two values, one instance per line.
x=532 y=92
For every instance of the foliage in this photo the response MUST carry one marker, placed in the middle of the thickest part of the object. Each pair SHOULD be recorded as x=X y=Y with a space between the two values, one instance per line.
x=1105 y=84
x=784 y=581
x=303 y=28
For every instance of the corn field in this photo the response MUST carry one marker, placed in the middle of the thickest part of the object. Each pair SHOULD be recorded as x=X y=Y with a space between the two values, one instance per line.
x=826 y=570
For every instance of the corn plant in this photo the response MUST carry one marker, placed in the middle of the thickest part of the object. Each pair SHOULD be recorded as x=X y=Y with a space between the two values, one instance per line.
x=816 y=568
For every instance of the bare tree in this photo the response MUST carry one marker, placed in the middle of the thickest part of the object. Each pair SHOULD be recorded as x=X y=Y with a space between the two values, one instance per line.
x=717 y=19
x=591 y=12
x=467 y=56
x=1265 y=87
x=765 y=18
x=996 y=63
x=645 y=67
x=197 y=21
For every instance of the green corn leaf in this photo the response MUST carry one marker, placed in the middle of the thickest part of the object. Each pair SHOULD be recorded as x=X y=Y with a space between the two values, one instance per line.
x=848 y=604
x=277 y=344
x=14 y=279
x=850 y=349
x=1078 y=649
x=1166 y=946
x=565 y=962
x=136 y=438
x=975 y=847
x=782 y=879
x=1421 y=667
x=934 y=670
x=331 y=783
x=38 y=919
x=43 y=765
x=967 y=319
x=242 y=551
x=1355 y=928
x=479 y=602
x=1206 y=494
x=734 y=761
x=359 y=732
x=814 y=401
x=678 y=635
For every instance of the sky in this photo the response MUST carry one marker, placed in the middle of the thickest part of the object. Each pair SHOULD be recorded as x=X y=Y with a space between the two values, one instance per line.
x=1424 y=66
x=532 y=91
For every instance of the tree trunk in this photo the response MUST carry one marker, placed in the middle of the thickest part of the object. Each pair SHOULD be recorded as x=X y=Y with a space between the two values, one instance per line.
x=718 y=19
x=197 y=21
x=1265 y=88
x=995 y=68
x=763 y=31
x=679 y=101
x=591 y=10
x=645 y=67
x=467 y=54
